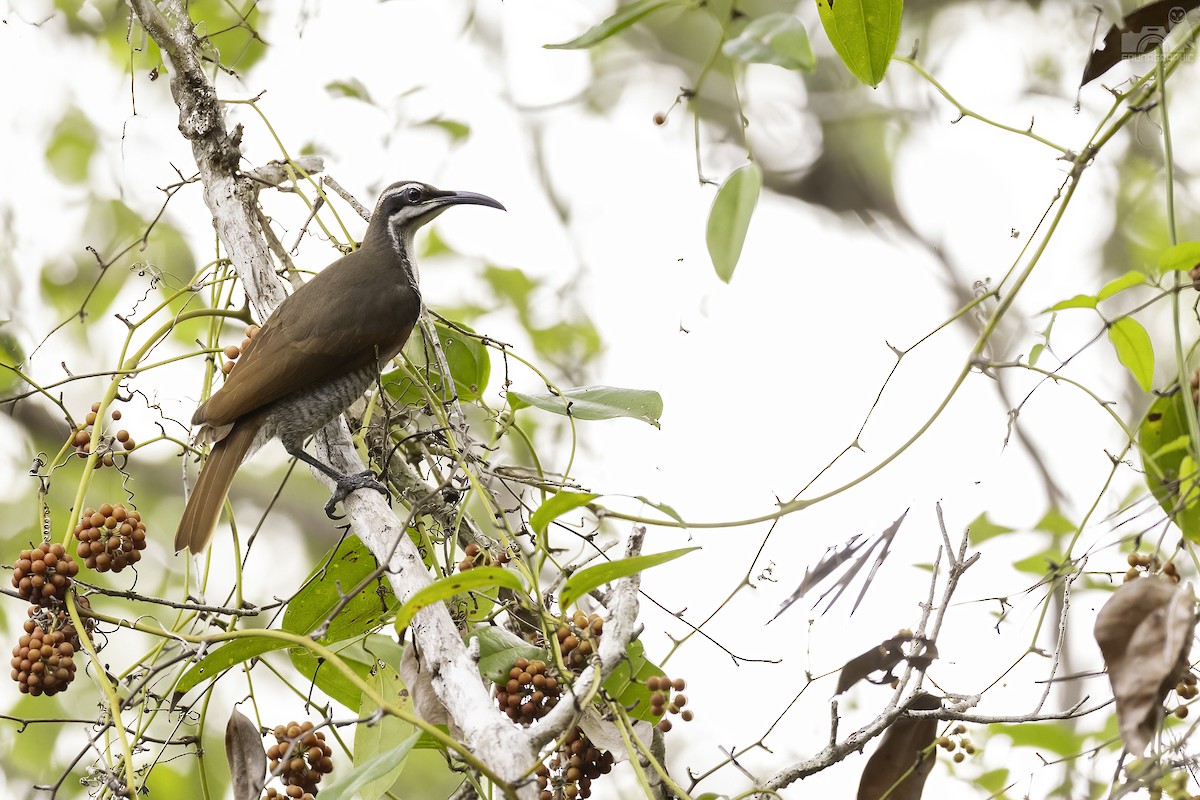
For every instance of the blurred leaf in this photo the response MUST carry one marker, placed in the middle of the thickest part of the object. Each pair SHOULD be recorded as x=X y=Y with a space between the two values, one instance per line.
x=1042 y=736
x=627 y=682
x=1048 y=560
x=246 y=757
x=622 y=19
x=1035 y=353
x=578 y=341
x=349 y=87
x=499 y=649
x=993 y=780
x=1144 y=28
x=556 y=506
x=590 y=578
x=1164 y=444
x=340 y=570
x=899 y=766
x=729 y=218
x=11 y=355
x=1054 y=522
x=596 y=402
x=776 y=38
x=1117 y=285
x=982 y=528
x=384 y=737
x=864 y=34
x=512 y=286
x=1183 y=256
x=449 y=586
x=72 y=144
x=1134 y=350
x=1078 y=301
x=458 y=130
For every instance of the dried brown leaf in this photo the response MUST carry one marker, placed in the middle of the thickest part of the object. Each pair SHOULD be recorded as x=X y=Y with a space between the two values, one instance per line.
x=1145 y=632
x=898 y=768
x=246 y=756
x=885 y=657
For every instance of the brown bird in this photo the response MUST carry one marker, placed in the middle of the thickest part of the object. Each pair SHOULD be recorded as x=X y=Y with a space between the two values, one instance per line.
x=316 y=354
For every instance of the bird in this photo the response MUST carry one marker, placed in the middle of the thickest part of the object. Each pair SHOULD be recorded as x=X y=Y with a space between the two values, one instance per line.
x=316 y=354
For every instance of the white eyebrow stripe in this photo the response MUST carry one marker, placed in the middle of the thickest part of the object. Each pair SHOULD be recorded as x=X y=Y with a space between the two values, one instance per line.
x=393 y=192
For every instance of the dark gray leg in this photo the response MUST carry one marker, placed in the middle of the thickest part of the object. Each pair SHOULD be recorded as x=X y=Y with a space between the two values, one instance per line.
x=345 y=483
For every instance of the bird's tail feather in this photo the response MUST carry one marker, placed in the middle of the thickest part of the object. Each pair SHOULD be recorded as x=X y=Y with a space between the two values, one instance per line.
x=203 y=508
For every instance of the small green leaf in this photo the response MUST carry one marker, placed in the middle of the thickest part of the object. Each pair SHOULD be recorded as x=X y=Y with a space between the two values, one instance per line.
x=864 y=34
x=622 y=19
x=499 y=649
x=224 y=657
x=585 y=580
x=1134 y=349
x=1035 y=353
x=1116 y=285
x=457 y=130
x=11 y=355
x=1053 y=521
x=1183 y=256
x=556 y=506
x=981 y=529
x=449 y=586
x=349 y=87
x=729 y=218
x=664 y=508
x=369 y=772
x=1040 y=563
x=72 y=144
x=1078 y=301
x=1165 y=444
x=778 y=39
x=338 y=572
x=384 y=736
x=596 y=402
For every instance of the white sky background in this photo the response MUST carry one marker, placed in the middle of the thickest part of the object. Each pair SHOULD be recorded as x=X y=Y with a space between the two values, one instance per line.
x=777 y=369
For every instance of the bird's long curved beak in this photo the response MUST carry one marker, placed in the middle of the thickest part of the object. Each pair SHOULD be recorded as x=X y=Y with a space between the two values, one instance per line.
x=464 y=198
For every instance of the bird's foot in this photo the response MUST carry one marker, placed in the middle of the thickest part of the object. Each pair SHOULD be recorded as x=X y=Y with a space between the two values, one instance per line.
x=352 y=483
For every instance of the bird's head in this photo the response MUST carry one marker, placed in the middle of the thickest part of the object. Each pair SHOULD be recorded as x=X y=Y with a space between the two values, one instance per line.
x=405 y=206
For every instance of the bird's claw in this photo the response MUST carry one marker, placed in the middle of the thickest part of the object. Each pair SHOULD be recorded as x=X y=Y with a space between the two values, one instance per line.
x=352 y=483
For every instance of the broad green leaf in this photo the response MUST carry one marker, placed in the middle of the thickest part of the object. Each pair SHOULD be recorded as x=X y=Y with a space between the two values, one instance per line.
x=627 y=682
x=72 y=144
x=729 y=218
x=556 y=506
x=370 y=772
x=449 y=586
x=622 y=19
x=338 y=572
x=499 y=649
x=1117 y=285
x=467 y=357
x=224 y=657
x=778 y=39
x=1134 y=350
x=383 y=737
x=1043 y=736
x=1078 y=301
x=1054 y=522
x=511 y=286
x=1165 y=444
x=328 y=678
x=590 y=578
x=349 y=87
x=981 y=529
x=1183 y=256
x=595 y=402
x=864 y=34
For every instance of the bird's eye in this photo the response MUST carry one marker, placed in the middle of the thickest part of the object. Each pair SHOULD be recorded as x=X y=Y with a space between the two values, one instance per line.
x=412 y=194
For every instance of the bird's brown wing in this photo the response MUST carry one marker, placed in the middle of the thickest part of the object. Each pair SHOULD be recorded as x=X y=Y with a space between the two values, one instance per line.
x=310 y=338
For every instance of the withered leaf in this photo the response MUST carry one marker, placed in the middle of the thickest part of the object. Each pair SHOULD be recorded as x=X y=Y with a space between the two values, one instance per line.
x=885 y=657
x=898 y=768
x=1145 y=632
x=246 y=756
x=1142 y=30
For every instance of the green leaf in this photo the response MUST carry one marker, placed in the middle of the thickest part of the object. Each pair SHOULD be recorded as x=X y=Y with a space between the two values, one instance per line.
x=1078 y=301
x=995 y=780
x=328 y=678
x=1133 y=347
x=467 y=358
x=1053 y=521
x=1035 y=353
x=1183 y=256
x=1165 y=445
x=382 y=738
x=1116 y=285
x=1041 y=563
x=778 y=39
x=449 y=586
x=338 y=572
x=72 y=144
x=370 y=772
x=11 y=355
x=499 y=649
x=627 y=682
x=595 y=402
x=729 y=218
x=556 y=506
x=590 y=578
x=622 y=19
x=1042 y=736
x=224 y=657
x=664 y=508
x=458 y=130
x=349 y=87
x=981 y=529
x=864 y=34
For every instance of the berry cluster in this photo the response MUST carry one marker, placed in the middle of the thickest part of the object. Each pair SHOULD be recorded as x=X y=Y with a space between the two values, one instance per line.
x=572 y=768
x=661 y=700
x=579 y=640
x=233 y=351
x=1140 y=563
x=1187 y=690
x=110 y=538
x=476 y=556
x=529 y=693
x=300 y=757
x=963 y=745
x=83 y=439
x=43 y=575
x=42 y=661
